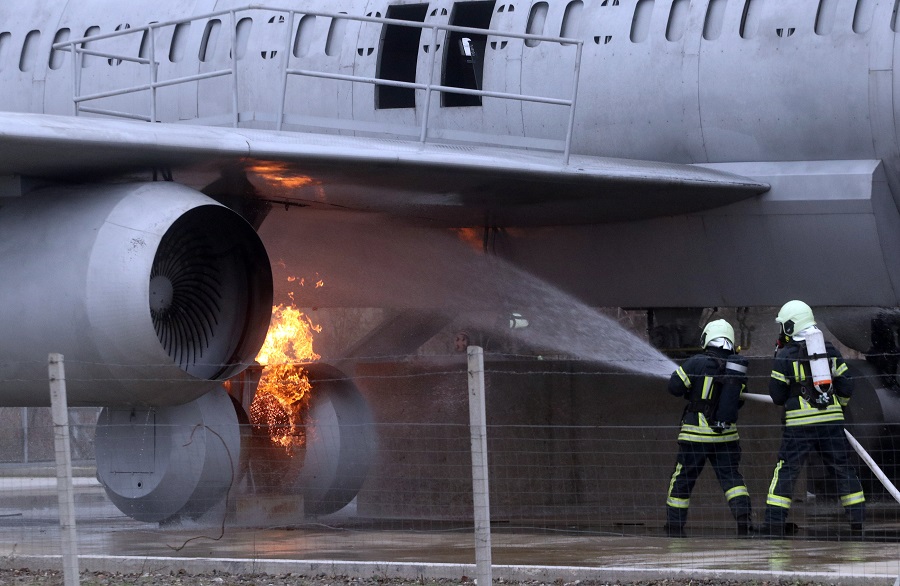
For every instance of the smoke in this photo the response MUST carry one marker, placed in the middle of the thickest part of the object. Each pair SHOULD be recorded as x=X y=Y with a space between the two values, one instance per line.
x=368 y=261
x=561 y=323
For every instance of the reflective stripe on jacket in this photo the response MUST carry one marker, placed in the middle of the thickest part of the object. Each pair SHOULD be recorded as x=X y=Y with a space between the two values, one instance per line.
x=791 y=372
x=698 y=380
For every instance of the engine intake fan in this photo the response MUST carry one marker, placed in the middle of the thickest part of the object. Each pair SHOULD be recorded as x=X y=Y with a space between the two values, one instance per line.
x=153 y=292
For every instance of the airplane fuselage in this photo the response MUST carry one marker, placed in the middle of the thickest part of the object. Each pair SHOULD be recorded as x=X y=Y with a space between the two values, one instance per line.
x=158 y=292
x=800 y=95
x=668 y=81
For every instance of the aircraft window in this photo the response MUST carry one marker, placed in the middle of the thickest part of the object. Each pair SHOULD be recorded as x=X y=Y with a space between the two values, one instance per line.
x=398 y=55
x=825 y=16
x=366 y=51
x=512 y=8
x=750 y=19
x=210 y=39
x=242 y=36
x=464 y=54
x=57 y=58
x=536 y=21
x=273 y=34
x=144 y=51
x=571 y=19
x=120 y=27
x=179 y=41
x=89 y=60
x=4 y=42
x=862 y=18
x=894 y=23
x=678 y=17
x=640 y=24
x=609 y=3
x=303 y=38
x=715 y=14
x=29 y=51
x=336 y=34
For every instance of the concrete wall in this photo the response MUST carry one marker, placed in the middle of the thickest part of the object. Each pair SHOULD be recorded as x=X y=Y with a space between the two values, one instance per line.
x=564 y=442
x=26 y=434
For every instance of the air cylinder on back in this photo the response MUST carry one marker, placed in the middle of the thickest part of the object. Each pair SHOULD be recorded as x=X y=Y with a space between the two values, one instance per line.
x=732 y=384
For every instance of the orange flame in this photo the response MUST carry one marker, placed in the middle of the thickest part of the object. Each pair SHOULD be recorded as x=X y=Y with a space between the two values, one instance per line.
x=282 y=397
x=281 y=174
x=472 y=237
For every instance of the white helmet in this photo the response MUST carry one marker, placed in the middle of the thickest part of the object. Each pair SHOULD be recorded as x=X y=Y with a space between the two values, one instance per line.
x=794 y=317
x=716 y=329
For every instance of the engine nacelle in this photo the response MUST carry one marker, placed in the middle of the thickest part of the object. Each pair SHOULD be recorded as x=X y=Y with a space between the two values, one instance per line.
x=153 y=292
x=170 y=463
x=866 y=329
x=873 y=418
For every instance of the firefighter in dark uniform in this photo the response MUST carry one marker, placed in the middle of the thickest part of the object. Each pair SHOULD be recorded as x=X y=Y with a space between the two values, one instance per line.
x=712 y=383
x=813 y=418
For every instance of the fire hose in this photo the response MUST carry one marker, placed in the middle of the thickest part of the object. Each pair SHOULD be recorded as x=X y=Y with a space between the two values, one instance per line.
x=873 y=466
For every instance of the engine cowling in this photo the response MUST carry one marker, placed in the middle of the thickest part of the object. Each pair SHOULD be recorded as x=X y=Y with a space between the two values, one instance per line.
x=153 y=292
x=169 y=464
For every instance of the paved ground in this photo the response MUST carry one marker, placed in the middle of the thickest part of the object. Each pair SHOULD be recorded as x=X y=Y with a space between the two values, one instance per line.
x=108 y=541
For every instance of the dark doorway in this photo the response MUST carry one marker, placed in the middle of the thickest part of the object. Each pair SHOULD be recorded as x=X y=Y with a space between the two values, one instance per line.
x=398 y=55
x=464 y=56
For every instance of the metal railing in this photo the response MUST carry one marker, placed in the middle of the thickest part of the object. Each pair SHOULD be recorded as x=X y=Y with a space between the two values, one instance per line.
x=79 y=49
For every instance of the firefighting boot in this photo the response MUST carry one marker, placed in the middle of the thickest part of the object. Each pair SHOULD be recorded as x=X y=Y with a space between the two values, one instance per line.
x=857 y=517
x=775 y=525
x=743 y=526
x=675 y=520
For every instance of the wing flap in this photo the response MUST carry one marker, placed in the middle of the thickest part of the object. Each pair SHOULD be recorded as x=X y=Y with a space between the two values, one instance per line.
x=449 y=184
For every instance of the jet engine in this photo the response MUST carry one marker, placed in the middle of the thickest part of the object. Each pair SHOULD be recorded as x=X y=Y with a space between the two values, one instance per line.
x=331 y=465
x=153 y=293
x=169 y=464
x=874 y=413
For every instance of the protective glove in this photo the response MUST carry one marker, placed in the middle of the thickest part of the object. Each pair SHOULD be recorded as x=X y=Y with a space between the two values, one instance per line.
x=719 y=426
x=823 y=400
x=820 y=399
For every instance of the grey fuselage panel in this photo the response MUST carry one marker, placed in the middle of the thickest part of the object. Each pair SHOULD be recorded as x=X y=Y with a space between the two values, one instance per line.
x=785 y=93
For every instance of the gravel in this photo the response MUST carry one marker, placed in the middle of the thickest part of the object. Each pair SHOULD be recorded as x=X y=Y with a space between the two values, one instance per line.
x=53 y=578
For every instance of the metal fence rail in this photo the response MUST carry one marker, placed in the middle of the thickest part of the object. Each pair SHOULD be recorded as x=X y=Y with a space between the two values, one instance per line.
x=578 y=477
x=80 y=49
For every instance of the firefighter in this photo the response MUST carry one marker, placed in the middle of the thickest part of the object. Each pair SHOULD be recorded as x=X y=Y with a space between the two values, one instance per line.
x=712 y=383
x=809 y=378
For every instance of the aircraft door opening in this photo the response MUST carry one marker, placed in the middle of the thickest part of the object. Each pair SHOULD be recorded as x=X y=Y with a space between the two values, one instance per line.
x=398 y=55
x=464 y=57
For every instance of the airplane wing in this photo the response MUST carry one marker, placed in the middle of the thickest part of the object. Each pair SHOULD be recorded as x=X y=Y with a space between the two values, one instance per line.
x=446 y=184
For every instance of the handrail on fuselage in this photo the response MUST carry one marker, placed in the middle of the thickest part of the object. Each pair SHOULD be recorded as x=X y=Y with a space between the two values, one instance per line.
x=79 y=50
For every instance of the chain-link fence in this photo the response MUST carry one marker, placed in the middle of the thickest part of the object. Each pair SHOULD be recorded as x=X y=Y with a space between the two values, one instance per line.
x=378 y=469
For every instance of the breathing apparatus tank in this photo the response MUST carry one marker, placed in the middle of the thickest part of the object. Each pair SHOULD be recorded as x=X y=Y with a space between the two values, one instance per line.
x=798 y=323
x=733 y=383
x=818 y=359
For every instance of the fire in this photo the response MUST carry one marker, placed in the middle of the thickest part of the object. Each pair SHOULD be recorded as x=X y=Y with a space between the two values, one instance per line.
x=282 y=397
x=281 y=174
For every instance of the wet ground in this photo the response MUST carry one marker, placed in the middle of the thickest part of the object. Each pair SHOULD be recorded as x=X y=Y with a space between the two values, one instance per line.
x=349 y=546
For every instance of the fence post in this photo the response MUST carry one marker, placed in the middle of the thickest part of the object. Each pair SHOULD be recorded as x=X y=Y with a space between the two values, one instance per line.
x=64 y=489
x=480 y=494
